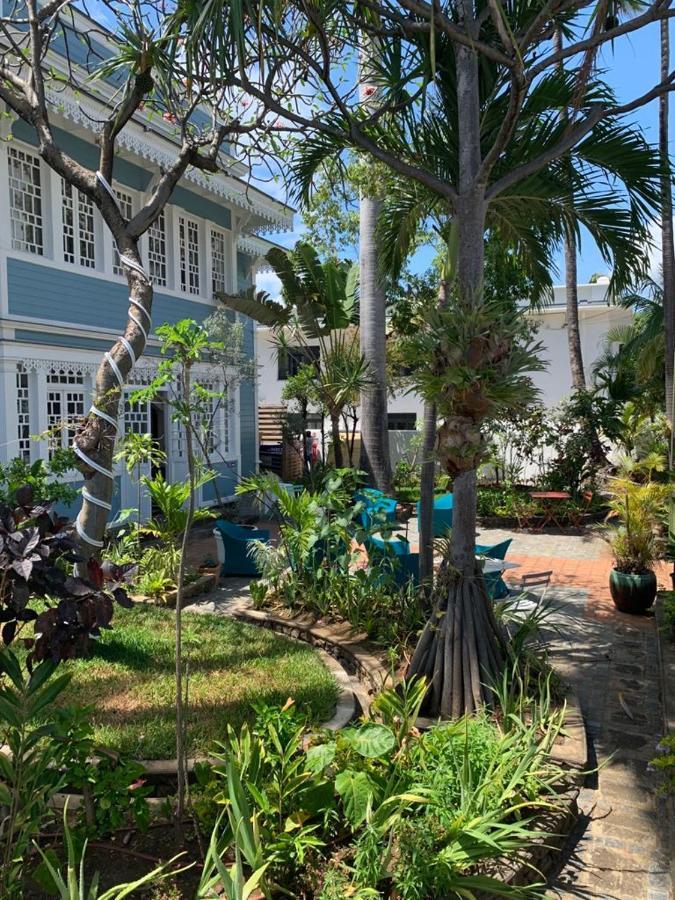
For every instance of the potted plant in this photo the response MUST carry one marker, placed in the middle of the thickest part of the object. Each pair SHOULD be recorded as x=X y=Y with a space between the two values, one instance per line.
x=636 y=511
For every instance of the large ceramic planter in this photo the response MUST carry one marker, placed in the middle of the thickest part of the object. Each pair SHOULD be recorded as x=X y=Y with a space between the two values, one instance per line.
x=632 y=593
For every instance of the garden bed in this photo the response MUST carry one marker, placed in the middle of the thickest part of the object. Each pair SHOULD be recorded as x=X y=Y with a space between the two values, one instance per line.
x=201 y=585
x=231 y=666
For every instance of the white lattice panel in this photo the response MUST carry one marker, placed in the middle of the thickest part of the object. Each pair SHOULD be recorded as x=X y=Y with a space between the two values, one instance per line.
x=25 y=201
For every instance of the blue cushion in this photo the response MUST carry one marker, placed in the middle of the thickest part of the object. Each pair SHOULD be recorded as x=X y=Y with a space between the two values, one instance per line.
x=497 y=551
x=236 y=540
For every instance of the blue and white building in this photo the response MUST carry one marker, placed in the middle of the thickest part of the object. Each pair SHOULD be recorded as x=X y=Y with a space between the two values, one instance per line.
x=63 y=295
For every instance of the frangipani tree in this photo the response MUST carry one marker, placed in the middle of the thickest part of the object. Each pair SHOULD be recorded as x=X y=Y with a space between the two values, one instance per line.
x=142 y=74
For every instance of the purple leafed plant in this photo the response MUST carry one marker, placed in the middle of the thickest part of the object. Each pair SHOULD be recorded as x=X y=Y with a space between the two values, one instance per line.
x=38 y=584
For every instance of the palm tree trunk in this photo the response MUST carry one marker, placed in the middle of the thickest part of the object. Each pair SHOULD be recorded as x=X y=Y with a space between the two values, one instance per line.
x=374 y=459
x=338 y=457
x=461 y=648
x=667 y=253
x=572 y=309
x=428 y=470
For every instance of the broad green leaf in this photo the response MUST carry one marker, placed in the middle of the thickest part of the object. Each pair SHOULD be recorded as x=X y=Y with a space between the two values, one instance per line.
x=319 y=757
x=372 y=740
x=356 y=791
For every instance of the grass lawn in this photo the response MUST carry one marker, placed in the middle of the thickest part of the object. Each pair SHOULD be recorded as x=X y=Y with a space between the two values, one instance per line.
x=129 y=679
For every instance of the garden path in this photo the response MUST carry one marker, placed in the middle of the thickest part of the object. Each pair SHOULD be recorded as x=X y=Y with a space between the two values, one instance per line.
x=620 y=847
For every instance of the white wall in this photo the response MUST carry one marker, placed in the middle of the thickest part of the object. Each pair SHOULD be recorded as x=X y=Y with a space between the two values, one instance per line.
x=555 y=383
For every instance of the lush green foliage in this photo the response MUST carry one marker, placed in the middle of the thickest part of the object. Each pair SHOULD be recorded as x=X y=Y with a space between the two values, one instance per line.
x=665 y=762
x=377 y=807
x=638 y=510
x=44 y=479
x=317 y=565
x=170 y=498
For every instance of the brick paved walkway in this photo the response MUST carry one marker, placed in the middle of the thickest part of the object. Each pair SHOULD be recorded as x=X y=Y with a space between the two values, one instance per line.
x=620 y=848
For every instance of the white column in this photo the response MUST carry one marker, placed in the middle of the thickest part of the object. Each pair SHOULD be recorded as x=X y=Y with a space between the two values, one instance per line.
x=38 y=399
x=52 y=212
x=9 y=446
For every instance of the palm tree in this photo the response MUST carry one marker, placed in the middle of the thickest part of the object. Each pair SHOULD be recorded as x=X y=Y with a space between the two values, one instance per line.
x=667 y=251
x=635 y=371
x=531 y=218
x=374 y=459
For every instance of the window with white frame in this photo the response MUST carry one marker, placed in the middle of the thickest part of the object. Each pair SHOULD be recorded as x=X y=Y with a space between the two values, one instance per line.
x=188 y=246
x=126 y=205
x=79 y=236
x=157 y=250
x=213 y=418
x=218 y=257
x=136 y=416
x=23 y=412
x=25 y=201
x=65 y=406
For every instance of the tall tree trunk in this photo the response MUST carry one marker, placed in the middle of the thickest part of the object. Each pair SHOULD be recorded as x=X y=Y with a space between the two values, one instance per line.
x=572 y=311
x=667 y=254
x=338 y=457
x=461 y=649
x=95 y=440
x=571 y=293
x=375 y=458
x=428 y=471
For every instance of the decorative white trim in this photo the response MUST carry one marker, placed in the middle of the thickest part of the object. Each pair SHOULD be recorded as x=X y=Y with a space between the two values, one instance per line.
x=140 y=142
x=257 y=248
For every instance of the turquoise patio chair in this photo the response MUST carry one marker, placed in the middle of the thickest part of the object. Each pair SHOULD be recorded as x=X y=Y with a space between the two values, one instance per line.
x=442 y=515
x=236 y=541
x=375 y=504
x=495 y=585
x=396 y=552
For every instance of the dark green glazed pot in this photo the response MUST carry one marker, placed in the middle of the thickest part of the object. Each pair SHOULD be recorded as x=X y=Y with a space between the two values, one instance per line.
x=632 y=593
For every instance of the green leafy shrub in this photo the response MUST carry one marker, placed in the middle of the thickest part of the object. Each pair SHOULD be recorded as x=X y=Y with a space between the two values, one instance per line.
x=114 y=791
x=378 y=809
x=638 y=511
x=158 y=571
x=317 y=566
x=23 y=483
x=664 y=763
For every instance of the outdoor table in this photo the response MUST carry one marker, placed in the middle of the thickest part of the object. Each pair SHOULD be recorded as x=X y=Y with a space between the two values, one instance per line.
x=497 y=565
x=551 y=501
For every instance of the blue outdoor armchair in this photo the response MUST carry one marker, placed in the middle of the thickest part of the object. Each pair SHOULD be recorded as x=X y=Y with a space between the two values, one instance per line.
x=395 y=553
x=494 y=583
x=442 y=515
x=375 y=504
x=235 y=543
